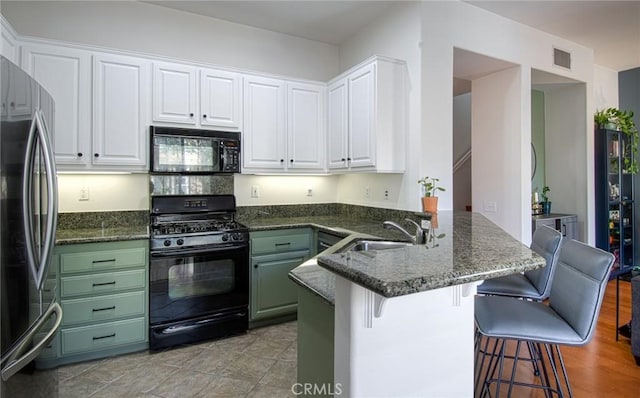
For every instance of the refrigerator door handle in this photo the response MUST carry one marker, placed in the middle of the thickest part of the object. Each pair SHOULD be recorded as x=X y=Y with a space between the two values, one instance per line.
x=13 y=363
x=38 y=134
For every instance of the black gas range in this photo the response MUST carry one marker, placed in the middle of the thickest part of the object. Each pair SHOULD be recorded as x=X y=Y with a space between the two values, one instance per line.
x=199 y=270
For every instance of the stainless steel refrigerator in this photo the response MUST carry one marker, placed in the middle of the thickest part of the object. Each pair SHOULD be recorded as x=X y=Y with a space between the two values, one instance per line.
x=28 y=214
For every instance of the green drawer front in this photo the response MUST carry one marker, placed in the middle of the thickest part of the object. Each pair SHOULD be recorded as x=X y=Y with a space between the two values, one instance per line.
x=102 y=283
x=104 y=335
x=281 y=243
x=103 y=307
x=104 y=260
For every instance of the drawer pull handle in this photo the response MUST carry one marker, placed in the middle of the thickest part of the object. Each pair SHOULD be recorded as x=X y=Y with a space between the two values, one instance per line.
x=111 y=260
x=113 y=307
x=283 y=244
x=104 y=283
x=104 y=337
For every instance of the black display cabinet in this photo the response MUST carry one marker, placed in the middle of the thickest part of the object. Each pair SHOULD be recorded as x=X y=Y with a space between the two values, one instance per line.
x=614 y=199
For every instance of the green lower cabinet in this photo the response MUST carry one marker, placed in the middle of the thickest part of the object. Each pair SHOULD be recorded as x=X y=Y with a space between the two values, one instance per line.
x=272 y=292
x=103 y=292
x=102 y=336
x=273 y=254
x=315 y=344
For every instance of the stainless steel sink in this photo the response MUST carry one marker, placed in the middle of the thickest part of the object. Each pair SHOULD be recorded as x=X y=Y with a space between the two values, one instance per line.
x=359 y=245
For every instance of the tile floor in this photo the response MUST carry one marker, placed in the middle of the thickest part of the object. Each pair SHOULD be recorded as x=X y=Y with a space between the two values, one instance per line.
x=261 y=363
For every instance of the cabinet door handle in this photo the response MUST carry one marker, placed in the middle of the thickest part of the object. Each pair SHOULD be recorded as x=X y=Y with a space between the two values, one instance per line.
x=349 y=159
x=204 y=116
x=111 y=260
x=281 y=160
x=255 y=265
x=283 y=244
x=564 y=229
x=79 y=154
x=113 y=307
x=104 y=284
x=290 y=160
x=104 y=337
x=95 y=155
x=343 y=159
x=191 y=115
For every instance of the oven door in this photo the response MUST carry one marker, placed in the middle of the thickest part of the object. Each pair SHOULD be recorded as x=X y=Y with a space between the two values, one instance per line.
x=198 y=295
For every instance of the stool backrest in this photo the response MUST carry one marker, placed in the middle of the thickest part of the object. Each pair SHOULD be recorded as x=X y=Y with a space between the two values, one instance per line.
x=546 y=242
x=579 y=284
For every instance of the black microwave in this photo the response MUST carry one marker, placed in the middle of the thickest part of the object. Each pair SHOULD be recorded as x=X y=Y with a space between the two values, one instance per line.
x=191 y=151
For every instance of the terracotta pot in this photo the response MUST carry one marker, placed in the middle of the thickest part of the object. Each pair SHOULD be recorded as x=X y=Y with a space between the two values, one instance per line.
x=430 y=204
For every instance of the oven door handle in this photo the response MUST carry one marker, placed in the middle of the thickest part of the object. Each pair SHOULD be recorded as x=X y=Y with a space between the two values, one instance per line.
x=189 y=252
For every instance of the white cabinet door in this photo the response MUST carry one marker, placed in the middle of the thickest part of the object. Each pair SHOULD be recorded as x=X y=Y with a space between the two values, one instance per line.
x=220 y=99
x=174 y=93
x=361 y=117
x=120 y=102
x=8 y=43
x=337 y=127
x=66 y=75
x=305 y=127
x=264 y=123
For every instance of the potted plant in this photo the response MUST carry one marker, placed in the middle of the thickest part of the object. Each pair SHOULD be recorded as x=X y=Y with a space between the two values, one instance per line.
x=615 y=119
x=430 y=200
x=546 y=204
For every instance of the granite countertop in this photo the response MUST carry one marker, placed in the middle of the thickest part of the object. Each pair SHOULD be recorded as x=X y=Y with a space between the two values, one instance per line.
x=309 y=274
x=92 y=235
x=464 y=247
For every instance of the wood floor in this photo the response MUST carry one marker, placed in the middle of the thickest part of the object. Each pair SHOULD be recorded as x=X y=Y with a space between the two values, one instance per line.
x=604 y=368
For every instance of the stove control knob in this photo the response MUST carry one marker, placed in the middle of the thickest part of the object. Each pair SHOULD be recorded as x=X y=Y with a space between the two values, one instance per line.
x=167 y=242
x=225 y=237
x=236 y=236
x=180 y=242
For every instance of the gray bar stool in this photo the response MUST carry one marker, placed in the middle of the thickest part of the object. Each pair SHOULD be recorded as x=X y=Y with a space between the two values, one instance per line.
x=570 y=318
x=532 y=285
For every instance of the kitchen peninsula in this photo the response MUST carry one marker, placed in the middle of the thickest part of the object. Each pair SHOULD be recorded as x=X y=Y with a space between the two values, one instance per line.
x=404 y=317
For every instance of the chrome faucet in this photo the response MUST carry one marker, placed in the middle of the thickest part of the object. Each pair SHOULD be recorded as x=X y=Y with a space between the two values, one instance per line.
x=417 y=239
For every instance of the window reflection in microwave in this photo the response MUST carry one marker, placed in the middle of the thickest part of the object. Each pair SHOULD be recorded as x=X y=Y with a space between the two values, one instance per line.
x=193 y=278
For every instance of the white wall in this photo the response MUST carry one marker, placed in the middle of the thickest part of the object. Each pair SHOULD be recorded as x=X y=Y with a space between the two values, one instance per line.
x=605 y=87
x=446 y=25
x=107 y=192
x=281 y=190
x=151 y=29
x=566 y=150
x=396 y=35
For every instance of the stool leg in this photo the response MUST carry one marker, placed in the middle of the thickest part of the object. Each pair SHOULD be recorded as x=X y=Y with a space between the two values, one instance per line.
x=554 y=368
x=513 y=371
x=564 y=372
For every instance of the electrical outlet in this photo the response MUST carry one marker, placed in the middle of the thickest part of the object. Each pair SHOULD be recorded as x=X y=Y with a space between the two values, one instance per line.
x=83 y=195
x=386 y=194
x=367 y=192
x=309 y=191
x=490 y=207
x=255 y=191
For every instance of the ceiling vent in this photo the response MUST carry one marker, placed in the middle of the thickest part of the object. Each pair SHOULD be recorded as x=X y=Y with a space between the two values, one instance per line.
x=561 y=58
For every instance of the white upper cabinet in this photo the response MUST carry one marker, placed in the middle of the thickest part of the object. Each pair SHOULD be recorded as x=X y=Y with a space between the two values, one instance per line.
x=66 y=75
x=8 y=43
x=263 y=139
x=174 y=93
x=284 y=126
x=120 y=108
x=178 y=98
x=367 y=118
x=305 y=126
x=220 y=99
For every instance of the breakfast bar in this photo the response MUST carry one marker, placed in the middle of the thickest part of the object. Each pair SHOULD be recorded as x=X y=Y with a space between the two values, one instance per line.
x=404 y=315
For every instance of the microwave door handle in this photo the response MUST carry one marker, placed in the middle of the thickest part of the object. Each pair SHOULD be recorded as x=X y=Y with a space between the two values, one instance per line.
x=13 y=363
x=27 y=205
x=52 y=199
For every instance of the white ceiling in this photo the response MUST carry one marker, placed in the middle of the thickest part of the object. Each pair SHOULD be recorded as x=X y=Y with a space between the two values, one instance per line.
x=611 y=28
